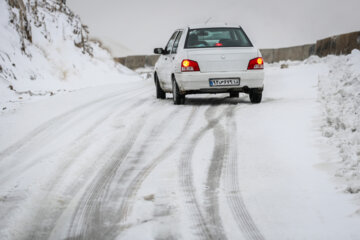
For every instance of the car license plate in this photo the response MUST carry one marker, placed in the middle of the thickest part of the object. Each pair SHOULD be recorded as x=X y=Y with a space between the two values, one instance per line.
x=224 y=82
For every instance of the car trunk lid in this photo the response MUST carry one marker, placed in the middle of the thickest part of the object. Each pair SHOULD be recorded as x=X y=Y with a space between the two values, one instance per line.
x=223 y=59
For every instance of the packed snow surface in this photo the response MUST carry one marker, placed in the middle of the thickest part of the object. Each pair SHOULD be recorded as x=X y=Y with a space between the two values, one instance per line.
x=114 y=162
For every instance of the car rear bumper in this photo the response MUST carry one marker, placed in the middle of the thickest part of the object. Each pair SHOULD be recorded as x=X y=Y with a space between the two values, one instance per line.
x=198 y=82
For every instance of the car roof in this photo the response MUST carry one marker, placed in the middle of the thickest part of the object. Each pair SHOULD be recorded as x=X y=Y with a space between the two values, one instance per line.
x=212 y=25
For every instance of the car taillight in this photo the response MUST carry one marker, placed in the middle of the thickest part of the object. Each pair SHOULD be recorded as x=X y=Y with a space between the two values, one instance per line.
x=189 y=66
x=256 y=63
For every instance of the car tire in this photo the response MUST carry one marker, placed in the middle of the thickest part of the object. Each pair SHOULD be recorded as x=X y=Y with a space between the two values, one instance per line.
x=234 y=94
x=255 y=97
x=160 y=94
x=178 y=98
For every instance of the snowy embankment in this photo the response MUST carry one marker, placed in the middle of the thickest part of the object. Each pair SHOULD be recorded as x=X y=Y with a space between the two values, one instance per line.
x=339 y=93
x=44 y=50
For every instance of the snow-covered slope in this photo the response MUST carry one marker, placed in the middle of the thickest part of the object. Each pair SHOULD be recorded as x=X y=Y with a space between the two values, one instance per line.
x=44 y=50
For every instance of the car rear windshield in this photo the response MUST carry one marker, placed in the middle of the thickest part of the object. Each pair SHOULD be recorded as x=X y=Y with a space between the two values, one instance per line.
x=217 y=37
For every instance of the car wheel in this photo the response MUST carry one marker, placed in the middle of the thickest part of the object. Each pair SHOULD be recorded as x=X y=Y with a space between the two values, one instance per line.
x=177 y=97
x=255 y=97
x=234 y=94
x=159 y=92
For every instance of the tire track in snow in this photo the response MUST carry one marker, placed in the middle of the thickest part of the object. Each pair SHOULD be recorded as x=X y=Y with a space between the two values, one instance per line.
x=233 y=194
x=145 y=172
x=213 y=182
x=186 y=181
x=59 y=120
x=137 y=179
x=40 y=137
x=94 y=220
x=46 y=218
x=44 y=212
x=87 y=212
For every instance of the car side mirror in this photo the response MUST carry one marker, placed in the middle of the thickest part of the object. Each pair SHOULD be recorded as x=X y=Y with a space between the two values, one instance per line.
x=159 y=51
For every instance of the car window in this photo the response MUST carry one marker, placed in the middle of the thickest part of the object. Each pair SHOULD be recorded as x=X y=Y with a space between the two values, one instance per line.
x=176 y=43
x=217 y=37
x=170 y=43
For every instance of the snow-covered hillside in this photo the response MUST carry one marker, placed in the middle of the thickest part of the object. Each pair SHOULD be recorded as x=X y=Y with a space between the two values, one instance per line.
x=44 y=50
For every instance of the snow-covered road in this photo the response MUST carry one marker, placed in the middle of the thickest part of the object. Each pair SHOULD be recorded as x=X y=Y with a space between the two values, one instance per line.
x=113 y=162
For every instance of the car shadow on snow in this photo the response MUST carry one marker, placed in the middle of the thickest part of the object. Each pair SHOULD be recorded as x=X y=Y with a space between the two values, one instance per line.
x=270 y=100
x=218 y=100
x=202 y=100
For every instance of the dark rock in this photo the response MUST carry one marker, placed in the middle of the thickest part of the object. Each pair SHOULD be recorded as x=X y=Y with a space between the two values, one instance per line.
x=284 y=66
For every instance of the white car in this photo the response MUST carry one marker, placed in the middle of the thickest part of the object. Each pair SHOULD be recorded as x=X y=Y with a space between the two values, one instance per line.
x=209 y=59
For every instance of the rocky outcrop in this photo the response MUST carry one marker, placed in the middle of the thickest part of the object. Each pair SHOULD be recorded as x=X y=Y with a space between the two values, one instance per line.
x=31 y=17
x=21 y=21
x=138 y=61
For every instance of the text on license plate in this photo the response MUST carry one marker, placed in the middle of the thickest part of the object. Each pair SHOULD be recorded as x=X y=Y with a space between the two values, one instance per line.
x=224 y=82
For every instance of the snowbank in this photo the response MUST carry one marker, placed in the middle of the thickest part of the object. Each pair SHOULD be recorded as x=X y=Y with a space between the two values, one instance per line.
x=339 y=96
x=339 y=93
x=52 y=56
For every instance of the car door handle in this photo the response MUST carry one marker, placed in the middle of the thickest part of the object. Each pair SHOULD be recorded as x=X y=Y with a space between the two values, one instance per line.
x=165 y=58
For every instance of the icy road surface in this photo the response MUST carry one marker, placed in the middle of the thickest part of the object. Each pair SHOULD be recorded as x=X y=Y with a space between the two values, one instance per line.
x=115 y=163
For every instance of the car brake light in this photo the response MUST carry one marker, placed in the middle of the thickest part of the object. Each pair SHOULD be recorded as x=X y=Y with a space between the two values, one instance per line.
x=256 y=63
x=189 y=66
x=218 y=44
